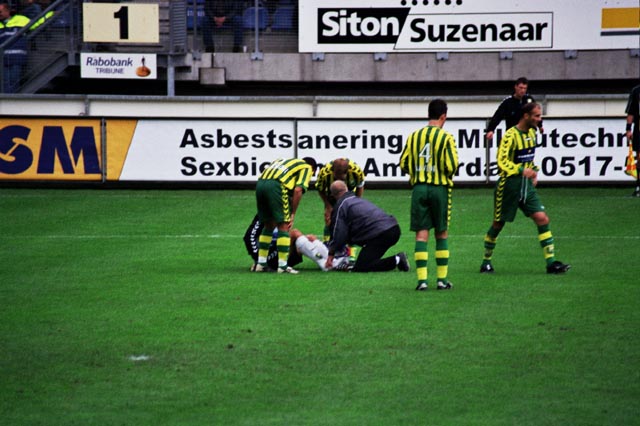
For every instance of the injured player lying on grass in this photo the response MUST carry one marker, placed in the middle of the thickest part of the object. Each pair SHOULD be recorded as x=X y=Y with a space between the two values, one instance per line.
x=301 y=245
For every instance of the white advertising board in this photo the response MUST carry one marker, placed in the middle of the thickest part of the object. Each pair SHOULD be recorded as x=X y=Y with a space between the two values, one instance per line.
x=217 y=151
x=570 y=150
x=119 y=65
x=463 y=25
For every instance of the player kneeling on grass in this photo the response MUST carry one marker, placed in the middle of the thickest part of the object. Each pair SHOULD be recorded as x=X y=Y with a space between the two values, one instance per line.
x=356 y=221
x=516 y=189
x=301 y=244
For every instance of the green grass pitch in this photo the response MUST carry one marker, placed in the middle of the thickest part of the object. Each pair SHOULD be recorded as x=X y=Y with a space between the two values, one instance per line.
x=137 y=307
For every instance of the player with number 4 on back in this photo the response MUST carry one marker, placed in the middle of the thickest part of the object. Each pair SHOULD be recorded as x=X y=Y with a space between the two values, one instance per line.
x=516 y=189
x=430 y=158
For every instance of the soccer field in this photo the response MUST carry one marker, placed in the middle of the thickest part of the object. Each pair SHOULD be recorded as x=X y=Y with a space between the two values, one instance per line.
x=137 y=307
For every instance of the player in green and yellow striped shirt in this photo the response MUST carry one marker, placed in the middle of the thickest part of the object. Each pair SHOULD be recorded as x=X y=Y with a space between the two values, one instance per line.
x=516 y=189
x=278 y=193
x=430 y=158
x=339 y=169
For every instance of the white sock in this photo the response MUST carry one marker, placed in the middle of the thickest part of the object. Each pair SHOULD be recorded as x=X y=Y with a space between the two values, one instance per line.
x=314 y=250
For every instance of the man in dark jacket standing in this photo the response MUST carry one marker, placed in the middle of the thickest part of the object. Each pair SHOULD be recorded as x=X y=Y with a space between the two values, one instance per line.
x=220 y=15
x=510 y=109
x=357 y=221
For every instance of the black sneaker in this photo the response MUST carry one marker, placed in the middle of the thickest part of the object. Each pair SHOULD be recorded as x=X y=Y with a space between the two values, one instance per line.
x=445 y=286
x=422 y=287
x=345 y=266
x=262 y=268
x=486 y=268
x=403 y=263
x=557 y=267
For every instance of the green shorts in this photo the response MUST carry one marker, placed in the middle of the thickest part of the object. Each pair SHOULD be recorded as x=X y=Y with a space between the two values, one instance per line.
x=513 y=193
x=430 y=207
x=273 y=201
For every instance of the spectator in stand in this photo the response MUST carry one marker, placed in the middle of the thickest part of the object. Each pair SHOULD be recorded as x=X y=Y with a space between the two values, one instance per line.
x=30 y=8
x=218 y=16
x=15 y=54
x=50 y=14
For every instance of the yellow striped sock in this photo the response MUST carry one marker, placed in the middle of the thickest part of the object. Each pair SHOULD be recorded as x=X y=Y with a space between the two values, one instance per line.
x=264 y=241
x=283 y=243
x=421 y=257
x=442 y=260
x=548 y=248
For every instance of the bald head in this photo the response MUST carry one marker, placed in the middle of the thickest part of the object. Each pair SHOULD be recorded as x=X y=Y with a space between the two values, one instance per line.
x=338 y=188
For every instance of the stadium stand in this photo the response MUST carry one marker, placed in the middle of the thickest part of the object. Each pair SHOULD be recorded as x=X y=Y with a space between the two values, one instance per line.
x=249 y=18
x=56 y=45
x=195 y=14
x=283 y=17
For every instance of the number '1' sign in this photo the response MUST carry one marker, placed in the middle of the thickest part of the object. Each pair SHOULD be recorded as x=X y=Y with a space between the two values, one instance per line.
x=120 y=23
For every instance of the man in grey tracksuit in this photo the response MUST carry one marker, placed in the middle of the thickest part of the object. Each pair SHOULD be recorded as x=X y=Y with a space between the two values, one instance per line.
x=357 y=221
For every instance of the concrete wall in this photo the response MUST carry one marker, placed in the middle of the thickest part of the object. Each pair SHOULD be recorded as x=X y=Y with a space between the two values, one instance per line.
x=420 y=67
x=293 y=107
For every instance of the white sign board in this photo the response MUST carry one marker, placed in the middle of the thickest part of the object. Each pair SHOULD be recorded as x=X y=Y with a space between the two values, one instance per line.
x=570 y=150
x=223 y=151
x=456 y=25
x=118 y=65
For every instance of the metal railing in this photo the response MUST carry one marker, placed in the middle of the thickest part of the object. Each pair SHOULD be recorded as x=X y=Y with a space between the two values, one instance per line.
x=53 y=40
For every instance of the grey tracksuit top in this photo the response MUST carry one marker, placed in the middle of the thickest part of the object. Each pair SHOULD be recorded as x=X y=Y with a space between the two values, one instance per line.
x=356 y=220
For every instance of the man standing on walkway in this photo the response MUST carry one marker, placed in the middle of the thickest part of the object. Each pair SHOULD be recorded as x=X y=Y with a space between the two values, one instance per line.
x=510 y=109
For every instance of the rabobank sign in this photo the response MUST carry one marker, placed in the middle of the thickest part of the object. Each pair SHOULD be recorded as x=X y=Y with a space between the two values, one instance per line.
x=465 y=25
x=50 y=150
